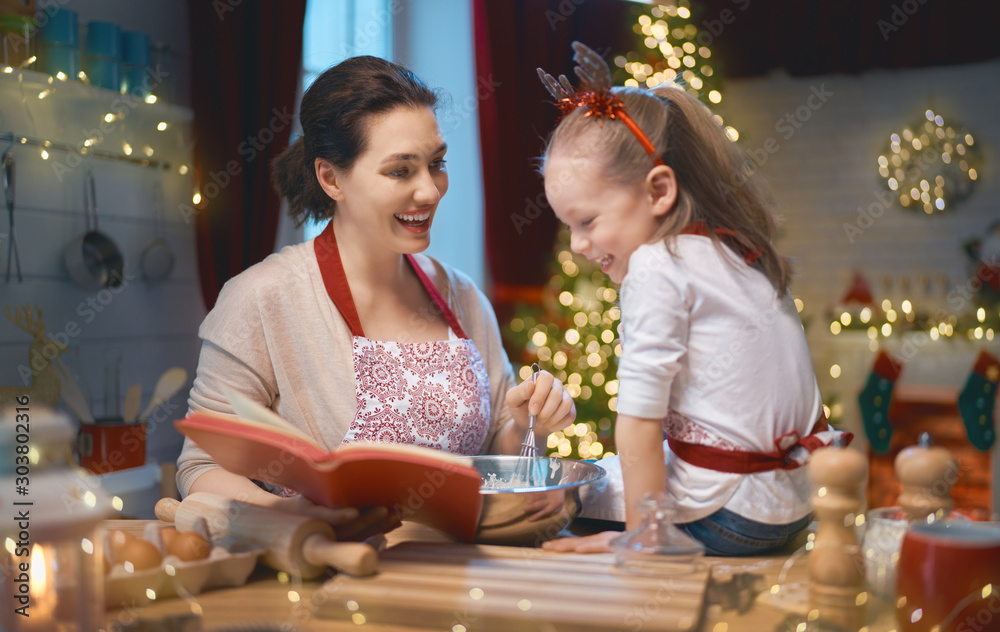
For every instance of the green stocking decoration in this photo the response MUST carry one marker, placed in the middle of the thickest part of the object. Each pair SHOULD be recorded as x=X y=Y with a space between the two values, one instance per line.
x=875 y=399
x=977 y=399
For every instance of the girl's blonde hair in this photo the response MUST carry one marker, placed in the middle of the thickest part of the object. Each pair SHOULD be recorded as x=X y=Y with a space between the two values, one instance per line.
x=714 y=183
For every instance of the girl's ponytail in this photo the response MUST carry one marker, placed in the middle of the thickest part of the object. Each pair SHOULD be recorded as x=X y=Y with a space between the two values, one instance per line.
x=294 y=177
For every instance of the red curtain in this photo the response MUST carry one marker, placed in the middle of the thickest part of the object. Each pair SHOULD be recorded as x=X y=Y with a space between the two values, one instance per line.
x=245 y=72
x=513 y=37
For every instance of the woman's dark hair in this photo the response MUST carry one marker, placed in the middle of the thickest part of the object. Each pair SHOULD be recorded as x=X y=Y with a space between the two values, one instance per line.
x=335 y=113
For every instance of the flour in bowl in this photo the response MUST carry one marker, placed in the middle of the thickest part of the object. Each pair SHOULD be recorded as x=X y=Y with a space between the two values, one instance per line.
x=492 y=481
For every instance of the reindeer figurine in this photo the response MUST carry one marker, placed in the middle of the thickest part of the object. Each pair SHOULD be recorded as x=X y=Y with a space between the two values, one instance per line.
x=44 y=385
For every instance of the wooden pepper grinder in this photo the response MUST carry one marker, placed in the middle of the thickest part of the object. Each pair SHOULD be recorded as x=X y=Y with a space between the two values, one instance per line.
x=926 y=473
x=836 y=567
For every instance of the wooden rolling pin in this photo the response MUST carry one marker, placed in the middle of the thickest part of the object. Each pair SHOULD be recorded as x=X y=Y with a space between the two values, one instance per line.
x=299 y=545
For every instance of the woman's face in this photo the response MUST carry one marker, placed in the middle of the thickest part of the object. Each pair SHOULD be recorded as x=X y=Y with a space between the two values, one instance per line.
x=389 y=196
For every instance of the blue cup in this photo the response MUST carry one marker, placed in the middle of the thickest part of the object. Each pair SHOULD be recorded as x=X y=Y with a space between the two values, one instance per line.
x=134 y=81
x=135 y=48
x=104 y=40
x=105 y=73
x=55 y=58
x=58 y=26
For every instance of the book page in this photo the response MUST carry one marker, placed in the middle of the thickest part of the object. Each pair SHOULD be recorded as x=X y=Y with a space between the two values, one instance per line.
x=405 y=449
x=250 y=411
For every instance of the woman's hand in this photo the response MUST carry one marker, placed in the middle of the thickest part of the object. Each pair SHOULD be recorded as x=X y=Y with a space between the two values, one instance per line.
x=597 y=543
x=545 y=397
x=348 y=524
x=372 y=522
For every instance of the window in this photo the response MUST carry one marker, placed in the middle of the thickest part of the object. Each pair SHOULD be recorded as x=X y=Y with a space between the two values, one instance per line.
x=335 y=30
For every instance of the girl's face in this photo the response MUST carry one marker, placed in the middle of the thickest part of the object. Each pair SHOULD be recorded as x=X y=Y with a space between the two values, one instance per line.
x=607 y=220
x=389 y=196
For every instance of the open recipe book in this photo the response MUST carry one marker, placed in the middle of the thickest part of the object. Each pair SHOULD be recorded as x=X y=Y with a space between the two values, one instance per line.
x=424 y=485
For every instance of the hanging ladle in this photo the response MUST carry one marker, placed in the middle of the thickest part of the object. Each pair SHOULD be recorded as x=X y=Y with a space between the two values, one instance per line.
x=8 y=190
x=93 y=259
x=157 y=258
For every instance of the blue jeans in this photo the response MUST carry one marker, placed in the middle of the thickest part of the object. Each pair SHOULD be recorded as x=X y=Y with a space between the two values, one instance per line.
x=729 y=534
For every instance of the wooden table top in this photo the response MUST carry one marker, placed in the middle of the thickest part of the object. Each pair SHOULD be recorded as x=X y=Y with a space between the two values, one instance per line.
x=425 y=582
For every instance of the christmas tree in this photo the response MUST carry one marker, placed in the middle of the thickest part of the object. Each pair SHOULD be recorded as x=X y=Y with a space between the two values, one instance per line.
x=574 y=332
x=671 y=49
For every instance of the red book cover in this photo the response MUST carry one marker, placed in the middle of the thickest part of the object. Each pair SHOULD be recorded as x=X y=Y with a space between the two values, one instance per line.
x=423 y=485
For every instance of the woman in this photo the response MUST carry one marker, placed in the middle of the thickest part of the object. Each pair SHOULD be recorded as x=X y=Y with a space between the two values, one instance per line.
x=354 y=336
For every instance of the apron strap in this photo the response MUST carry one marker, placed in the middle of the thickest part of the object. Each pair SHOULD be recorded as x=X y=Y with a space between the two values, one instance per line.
x=746 y=462
x=332 y=270
x=442 y=306
x=701 y=228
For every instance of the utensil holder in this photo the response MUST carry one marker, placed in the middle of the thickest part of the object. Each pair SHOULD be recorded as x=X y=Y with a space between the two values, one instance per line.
x=109 y=445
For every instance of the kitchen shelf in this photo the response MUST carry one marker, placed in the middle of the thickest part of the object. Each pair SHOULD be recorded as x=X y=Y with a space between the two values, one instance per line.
x=31 y=99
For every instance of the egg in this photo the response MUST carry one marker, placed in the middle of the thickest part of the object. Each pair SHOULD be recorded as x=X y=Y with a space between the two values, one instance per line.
x=168 y=534
x=189 y=546
x=119 y=540
x=141 y=553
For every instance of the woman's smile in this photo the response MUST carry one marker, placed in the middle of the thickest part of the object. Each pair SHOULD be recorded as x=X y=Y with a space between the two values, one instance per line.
x=417 y=222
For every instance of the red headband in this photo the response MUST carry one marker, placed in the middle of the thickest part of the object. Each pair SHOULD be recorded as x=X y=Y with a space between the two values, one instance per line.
x=606 y=105
x=597 y=98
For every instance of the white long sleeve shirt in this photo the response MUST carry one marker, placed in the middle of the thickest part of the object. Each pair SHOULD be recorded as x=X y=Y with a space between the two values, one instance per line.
x=706 y=336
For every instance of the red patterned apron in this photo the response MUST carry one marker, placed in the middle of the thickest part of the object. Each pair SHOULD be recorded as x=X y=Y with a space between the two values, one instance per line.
x=433 y=394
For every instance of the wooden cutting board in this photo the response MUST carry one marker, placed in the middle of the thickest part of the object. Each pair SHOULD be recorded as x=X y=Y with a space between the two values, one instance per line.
x=485 y=588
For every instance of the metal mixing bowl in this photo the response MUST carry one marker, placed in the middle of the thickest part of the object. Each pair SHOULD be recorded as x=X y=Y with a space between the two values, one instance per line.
x=530 y=514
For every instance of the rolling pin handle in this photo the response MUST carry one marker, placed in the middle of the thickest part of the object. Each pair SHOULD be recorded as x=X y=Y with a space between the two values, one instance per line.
x=166 y=509
x=353 y=558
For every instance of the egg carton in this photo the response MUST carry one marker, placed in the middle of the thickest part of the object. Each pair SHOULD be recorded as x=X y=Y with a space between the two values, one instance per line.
x=225 y=566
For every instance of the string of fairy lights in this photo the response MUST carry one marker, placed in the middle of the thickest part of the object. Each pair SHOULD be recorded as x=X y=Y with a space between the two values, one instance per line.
x=888 y=321
x=90 y=146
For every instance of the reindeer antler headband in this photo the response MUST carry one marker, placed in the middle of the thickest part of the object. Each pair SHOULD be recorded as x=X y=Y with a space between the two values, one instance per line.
x=595 y=77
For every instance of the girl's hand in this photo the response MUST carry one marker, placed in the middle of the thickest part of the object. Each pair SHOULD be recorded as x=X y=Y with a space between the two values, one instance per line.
x=597 y=543
x=348 y=523
x=545 y=397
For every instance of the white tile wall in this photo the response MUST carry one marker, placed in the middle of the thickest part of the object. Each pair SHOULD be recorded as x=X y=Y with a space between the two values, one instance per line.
x=152 y=325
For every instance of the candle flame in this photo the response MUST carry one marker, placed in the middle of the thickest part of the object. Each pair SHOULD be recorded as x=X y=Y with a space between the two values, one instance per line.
x=39 y=572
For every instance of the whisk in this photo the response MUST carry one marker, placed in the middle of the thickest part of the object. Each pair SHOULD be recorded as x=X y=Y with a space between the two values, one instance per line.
x=528 y=447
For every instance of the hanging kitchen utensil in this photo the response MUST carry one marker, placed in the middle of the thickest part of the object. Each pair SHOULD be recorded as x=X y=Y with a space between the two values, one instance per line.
x=157 y=258
x=94 y=261
x=112 y=385
x=169 y=383
x=130 y=409
x=8 y=189
x=71 y=392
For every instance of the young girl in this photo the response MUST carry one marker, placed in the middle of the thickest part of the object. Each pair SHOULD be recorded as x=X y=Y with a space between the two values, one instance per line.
x=355 y=336
x=713 y=351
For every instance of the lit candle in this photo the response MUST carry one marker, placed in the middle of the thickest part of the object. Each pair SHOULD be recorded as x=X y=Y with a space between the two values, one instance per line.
x=41 y=590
